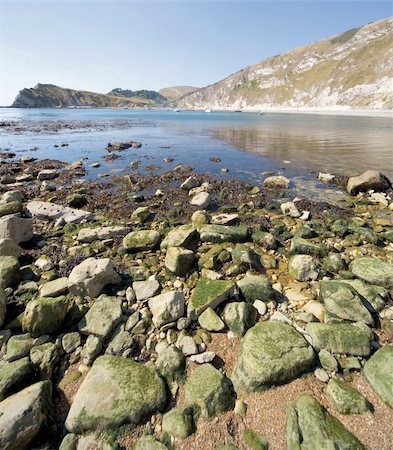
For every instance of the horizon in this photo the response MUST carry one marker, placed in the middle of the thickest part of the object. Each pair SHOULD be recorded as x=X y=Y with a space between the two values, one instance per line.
x=195 y=33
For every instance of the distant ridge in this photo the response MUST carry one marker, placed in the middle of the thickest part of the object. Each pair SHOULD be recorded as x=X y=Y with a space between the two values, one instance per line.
x=353 y=70
x=177 y=92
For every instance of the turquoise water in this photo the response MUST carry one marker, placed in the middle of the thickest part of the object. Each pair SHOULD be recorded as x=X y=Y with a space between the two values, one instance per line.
x=297 y=145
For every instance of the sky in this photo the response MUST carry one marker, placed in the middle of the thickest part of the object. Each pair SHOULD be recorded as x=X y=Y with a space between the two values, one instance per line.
x=99 y=45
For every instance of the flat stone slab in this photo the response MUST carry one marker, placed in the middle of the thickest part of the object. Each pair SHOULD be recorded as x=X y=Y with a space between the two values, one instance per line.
x=99 y=234
x=223 y=233
x=116 y=391
x=209 y=293
x=51 y=212
x=373 y=271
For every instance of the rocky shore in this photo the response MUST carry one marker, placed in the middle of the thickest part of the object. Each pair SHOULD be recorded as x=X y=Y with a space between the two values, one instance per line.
x=185 y=311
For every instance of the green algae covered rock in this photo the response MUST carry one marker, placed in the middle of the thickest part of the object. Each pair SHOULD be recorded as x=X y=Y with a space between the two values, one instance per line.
x=45 y=357
x=256 y=287
x=171 y=363
x=19 y=346
x=378 y=371
x=311 y=427
x=44 y=315
x=305 y=247
x=181 y=236
x=254 y=441
x=179 y=260
x=271 y=353
x=148 y=442
x=209 y=293
x=177 y=422
x=141 y=240
x=223 y=233
x=13 y=374
x=9 y=271
x=210 y=321
x=342 y=301
x=209 y=390
x=345 y=398
x=115 y=391
x=373 y=271
x=343 y=338
x=239 y=317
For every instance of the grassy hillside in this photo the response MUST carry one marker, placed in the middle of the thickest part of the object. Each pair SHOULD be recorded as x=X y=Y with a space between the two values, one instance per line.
x=177 y=92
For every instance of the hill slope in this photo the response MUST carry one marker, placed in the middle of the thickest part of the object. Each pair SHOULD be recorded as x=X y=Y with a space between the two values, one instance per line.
x=353 y=70
x=148 y=95
x=176 y=92
x=51 y=96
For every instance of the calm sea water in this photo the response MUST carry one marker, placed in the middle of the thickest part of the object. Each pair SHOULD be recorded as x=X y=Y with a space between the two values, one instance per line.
x=297 y=145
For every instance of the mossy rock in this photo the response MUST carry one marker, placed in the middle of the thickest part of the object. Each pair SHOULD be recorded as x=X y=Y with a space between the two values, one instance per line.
x=171 y=363
x=256 y=287
x=271 y=353
x=9 y=271
x=209 y=293
x=310 y=427
x=14 y=374
x=149 y=442
x=10 y=208
x=373 y=271
x=209 y=391
x=223 y=233
x=239 y=317
x=300 y=246
x=254 y=441
x=127 y=392
x=182 y=236
x=141 y=240
x=346 y=399
x=210 y=321
x=178 y=422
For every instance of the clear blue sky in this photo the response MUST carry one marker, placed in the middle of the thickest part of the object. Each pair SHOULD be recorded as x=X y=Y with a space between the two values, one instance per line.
x=100 y=45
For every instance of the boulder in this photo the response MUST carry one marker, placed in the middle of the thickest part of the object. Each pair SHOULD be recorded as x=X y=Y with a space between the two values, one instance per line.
x=179 y=260
x=170 y=363
x=102 y=317
x=119 y=146
x=54 y=288
x=12 y=196
x=15 y=228
x=141 y=214
x=9 y=271
x=256 y=287
x=371 y=179
x=44 y=315
x=209 y=293
x=342 y=338
x=209 y=390
x=373 y=271
x=47 y=174
x=310 y=427
x=201 y=200
x=71 y=341
x=128 y=391
x=182 y=236
x=303 y=268
x=278 y=182
x=44 y=357
x=148 y=442
x=300 y=246
x=14 y=374
x=99 y=234
x=190 y=183
x=10 y=208
x=90 y=277
x=342 y=301
x=375 y=297
x=146 y=289
x=223 y=233
x=345 y=398
x=52 y=212
x=3 y=306
x=210 y=321
x=178 y=422
x=19 y=346
x=290 y=209
x=141 y=240
x=378 y=372
x=23 y=415
x=167 y=307
x=271 y=353
x=239 y=317
x=9 y=248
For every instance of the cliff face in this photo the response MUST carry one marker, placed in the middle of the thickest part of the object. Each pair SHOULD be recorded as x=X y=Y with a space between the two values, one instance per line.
x=353 y=70
x=50 y=96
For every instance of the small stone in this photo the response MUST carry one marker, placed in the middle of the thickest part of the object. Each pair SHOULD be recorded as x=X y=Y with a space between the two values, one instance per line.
x=211 y=321
x=178 y=422
x=346 y=399
x=321 y=375
x=278 y=182
x=203 y=358
x=70 y=341
x=303 y=268
x=146 y=289
x=201 y=200
x=290 y=209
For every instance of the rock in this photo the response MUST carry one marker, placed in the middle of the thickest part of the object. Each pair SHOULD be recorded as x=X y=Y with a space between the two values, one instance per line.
x=9 y=271
x=44 y=263
x=305 y=247
x=90 y=277
x=378 y=372
x=209 y=293
x=187 y=345
x=170 y=363
x=346 y=399
x=18 y=346
x=10 y=208
x=271 y=353
x=190 y=183
x=77 y=200
x=199 y=219
x=92 y=348
x=127 y=392
x=102 y=317
x=290 y=209
x=371 y=179
x=3 y=306
x=209 y=390
x=203 y=358
x=182 y=236
x=201 y=200
x=178 y=422
x=148 y=442
x=254 y=441
x=14 y=374
x=321 y=375
x=9 y=248
x=119 y=146
x=45 y=357
x=276 y=182
x=316 y=309
x=326 y=177
x=210 y=321
x=243 y=254
x=44 y=315
x=69 y=442
x=12 y=196
x=15 y=228
x=328 y=361
x=239 y=317
x=310 y=426
x=23 y=415
x=342 y=338
x=342 y=301
x=373 y=271
x=99 y=234
x=260 y=306
x=303 y=268
x=141 y=240
x=333 y=263
x=146 y=289
x=256 y=287
x=375 y=296
x=47 y=174
x=52 y=212
x=225 y=219
x=120 y=343
x=223 y=233
x=179 y=260
x=167 y=307
x=54 y=288
x=141 y=214
x=71 y=341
